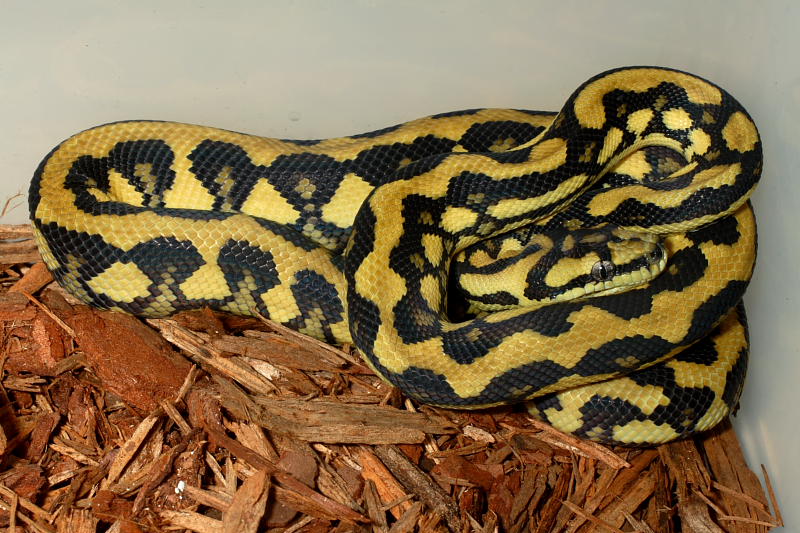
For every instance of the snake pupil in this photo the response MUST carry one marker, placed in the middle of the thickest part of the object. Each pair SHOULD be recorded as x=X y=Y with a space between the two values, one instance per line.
x=603 y=270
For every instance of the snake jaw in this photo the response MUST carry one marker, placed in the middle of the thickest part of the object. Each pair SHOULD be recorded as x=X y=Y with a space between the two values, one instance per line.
x=654 y=264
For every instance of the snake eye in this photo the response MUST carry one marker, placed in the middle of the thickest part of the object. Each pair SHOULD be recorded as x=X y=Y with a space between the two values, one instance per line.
x=603 y=270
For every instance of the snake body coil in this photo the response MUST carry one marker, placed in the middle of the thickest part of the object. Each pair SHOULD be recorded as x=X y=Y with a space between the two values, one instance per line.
x=351 y=240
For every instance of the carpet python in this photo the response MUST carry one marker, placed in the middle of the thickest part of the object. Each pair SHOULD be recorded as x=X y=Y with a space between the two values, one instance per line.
x=351 y=240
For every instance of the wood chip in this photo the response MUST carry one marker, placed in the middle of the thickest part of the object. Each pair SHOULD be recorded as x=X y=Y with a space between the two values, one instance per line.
x=337 y=422
x=131 y=446
x=270 y=430
x=192 y=521
x=248 y=505
x=387 y=486
x=593 y=519
x=582 y=447
x=407 y=522
x=416 y=482
x=17 y=245
x=34 y=279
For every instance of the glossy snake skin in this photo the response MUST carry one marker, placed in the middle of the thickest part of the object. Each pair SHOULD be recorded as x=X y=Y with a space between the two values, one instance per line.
x=351 y=240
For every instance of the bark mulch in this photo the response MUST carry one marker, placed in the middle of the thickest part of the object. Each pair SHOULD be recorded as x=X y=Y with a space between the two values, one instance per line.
x=211 y=423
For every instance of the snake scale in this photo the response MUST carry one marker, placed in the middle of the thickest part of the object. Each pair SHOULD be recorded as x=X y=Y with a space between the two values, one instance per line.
x=351 y=240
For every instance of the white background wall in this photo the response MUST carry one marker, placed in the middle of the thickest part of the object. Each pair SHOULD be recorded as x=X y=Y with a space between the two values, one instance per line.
x=317 y=69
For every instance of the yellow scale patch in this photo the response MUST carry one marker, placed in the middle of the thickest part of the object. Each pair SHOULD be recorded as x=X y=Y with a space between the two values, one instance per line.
x=639 y=120
x=342 y=208
x=455 y=219
x=637 y=431
x=610 y=145
x=635 y=166
x=207 y=282
x=566 y=268
x=266 y=202
x=121 y=190
x=740 y=133
x=677 y=119
x=434 y=248
x=188 y=193
x=281 y=303
x=122 y=282
x=701 y=141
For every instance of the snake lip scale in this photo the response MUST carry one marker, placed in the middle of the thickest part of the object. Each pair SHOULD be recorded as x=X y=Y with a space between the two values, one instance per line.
x=354 y=240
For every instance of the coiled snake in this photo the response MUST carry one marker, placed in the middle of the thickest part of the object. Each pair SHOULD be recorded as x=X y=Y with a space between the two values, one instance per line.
x=351 y=240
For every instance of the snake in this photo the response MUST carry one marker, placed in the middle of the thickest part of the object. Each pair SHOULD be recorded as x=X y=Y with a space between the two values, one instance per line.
x=365 y=240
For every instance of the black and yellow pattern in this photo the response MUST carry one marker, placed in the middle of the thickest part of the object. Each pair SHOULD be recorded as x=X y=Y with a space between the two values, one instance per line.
x=350 y=240
x=535 y=267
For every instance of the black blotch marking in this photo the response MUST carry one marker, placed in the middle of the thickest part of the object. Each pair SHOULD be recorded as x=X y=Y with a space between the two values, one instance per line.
x=418 y=167
x=471 y=341
x=735 y=379
x=324 y=172
x=127 y=155
x=314 y=296
x=474 y=340
x=612 y=356
x=518 y=384
x=519 y=155
x=91 y=252
x=34 y=191
x=415 y=320
x=599 y=415
x=723 y=231
x=155 y=258
x=421 y=384
x=237 y=259
x=363 y=314
x=378 y=165
x=495 y=298
x=702 y=352
x=708 y=314
x=211 y=158
x=88 y=172
x=687 y=405
x=483 y=136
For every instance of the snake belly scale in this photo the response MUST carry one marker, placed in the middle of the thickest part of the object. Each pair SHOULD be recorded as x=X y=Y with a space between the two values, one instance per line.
x=351 y=240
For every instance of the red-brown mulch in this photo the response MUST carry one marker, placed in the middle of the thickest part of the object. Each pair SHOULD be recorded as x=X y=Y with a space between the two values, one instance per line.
x=211 y=423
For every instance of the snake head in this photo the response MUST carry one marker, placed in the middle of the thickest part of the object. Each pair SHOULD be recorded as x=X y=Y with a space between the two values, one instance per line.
x=533 y=267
